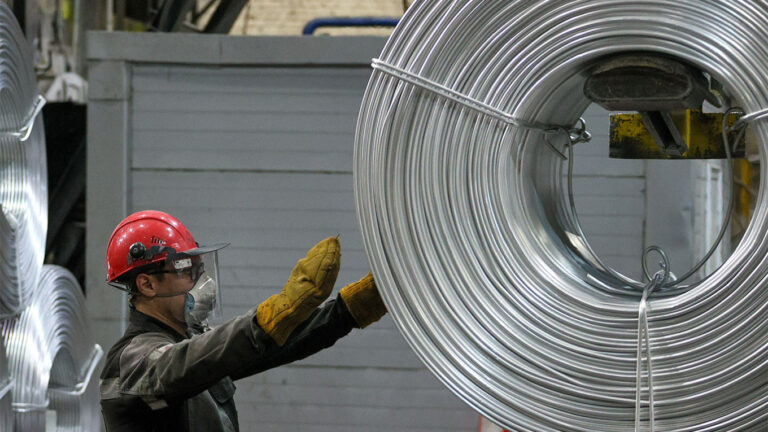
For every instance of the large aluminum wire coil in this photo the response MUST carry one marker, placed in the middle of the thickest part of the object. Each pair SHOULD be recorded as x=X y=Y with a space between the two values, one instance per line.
x=6 y=385
x=53 y=358
x=472 y=242
x=23 y=173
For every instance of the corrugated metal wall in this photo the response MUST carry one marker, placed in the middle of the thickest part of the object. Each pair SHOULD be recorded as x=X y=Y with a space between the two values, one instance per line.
x=250 y=141
x=260 y=155
x=261 y=158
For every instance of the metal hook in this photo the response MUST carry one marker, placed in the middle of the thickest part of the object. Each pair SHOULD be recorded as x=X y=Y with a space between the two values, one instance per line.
x=664 y=264
x=575 y=135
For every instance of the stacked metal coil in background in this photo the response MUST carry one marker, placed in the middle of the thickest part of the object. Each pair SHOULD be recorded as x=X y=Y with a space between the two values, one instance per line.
x=6 y=387
x=468 y=229
x=48 y=354
x=23 y=170
x=53 y=358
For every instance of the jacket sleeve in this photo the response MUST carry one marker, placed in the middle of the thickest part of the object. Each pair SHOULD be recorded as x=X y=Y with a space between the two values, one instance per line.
x=327 y=324
x=162 y=372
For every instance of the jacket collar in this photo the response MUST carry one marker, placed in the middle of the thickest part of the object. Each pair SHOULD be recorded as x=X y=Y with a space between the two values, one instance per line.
x=143 y=323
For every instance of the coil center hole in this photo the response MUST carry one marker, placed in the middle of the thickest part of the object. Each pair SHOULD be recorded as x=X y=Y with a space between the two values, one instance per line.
x=627 y=205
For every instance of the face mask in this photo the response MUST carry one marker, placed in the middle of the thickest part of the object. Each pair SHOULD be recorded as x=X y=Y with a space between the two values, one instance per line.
x=200 y=301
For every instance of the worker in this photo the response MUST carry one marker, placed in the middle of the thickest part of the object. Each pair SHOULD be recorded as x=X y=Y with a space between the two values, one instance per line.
x=171 y=371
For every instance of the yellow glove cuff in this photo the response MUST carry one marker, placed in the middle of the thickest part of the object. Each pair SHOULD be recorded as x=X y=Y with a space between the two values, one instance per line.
x=363 y=301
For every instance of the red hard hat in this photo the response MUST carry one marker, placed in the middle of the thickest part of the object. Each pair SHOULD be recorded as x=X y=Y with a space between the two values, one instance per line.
x=148 y=237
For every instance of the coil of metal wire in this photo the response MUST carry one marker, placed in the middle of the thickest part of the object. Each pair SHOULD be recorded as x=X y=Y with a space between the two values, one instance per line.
x=23 y=175
x=468 y=230
x=6 y=385
x=53 y=358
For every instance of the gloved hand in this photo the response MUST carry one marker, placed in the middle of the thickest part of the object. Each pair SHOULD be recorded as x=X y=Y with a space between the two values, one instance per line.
x=310 y=283
x=363 y=301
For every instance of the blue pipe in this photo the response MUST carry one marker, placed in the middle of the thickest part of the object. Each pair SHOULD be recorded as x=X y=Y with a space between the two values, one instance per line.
x=316 y=23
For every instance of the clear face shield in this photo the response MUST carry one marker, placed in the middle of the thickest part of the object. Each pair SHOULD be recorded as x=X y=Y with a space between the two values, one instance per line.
x=203 y=304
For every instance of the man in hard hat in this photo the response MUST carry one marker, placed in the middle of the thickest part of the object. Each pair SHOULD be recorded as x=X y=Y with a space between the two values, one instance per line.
x=170 y=371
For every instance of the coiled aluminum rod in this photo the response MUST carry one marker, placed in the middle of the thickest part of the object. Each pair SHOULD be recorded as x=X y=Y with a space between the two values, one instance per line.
x=23 y=172
x=6 y=394
x=469 y=232
x=53 y=358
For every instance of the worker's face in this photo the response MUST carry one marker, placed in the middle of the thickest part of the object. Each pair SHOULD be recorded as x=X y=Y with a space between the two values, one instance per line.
x=171 y=290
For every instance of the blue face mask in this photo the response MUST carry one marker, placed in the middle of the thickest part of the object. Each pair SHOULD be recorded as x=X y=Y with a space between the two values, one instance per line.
x=189 y=305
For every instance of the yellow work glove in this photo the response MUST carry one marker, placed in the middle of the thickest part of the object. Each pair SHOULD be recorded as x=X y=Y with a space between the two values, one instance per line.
x=310 y=283
x=363 y=301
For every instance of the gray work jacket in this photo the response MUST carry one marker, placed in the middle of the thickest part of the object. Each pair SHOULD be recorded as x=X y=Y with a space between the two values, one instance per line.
x=158 y=380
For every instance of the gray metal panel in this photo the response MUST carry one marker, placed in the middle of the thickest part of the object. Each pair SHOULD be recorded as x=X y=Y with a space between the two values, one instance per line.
x=106 y=192
x=245 y=119
x=261 y=158
x=186 y=48
x=380 y=390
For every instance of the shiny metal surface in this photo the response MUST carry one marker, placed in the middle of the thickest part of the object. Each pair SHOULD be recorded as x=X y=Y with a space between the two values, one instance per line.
x=23 y=173
x=53 y=359
x=476 y=249
x=6 y=395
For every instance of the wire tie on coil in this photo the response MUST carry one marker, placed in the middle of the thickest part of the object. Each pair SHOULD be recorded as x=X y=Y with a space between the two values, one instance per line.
x=748 y=118
x=575 y=135
x=644 y=336
x=23 y=407
x=25 y=130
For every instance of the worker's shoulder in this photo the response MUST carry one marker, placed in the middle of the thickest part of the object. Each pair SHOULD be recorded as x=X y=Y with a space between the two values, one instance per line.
x=138 y=340
x=131 y=347
x=143 y=347
x=144 y=343
x=151 y=337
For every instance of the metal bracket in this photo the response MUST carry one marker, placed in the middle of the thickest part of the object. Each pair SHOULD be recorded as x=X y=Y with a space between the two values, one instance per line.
x=664 y=131
x=647 y=82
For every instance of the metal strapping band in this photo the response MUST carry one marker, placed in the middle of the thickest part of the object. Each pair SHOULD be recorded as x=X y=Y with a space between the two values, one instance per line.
x=574 y=134
x=22 y=407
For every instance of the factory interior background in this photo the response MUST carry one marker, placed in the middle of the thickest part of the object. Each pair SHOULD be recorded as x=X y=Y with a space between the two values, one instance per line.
x=239 y=118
